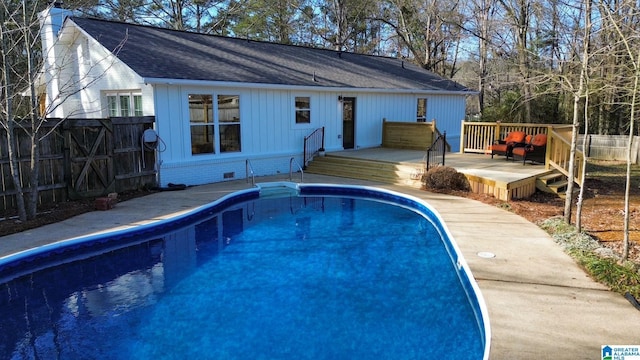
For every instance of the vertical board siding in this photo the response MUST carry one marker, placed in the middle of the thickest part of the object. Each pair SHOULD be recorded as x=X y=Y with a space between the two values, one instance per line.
x=102 y=72
x=269 y=131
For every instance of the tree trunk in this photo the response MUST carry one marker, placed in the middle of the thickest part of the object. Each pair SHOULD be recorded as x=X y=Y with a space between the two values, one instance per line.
x=34 y=167
x=483 y=13
x=7 y=95
x=583 y=84
x=568 y=202
x=627 y=189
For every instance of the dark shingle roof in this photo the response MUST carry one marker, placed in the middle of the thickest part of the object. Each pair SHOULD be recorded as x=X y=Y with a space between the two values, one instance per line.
x=169 y=54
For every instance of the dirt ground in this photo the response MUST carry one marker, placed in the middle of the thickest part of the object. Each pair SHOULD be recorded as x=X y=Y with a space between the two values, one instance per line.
x=602 y=214
x=602 y=208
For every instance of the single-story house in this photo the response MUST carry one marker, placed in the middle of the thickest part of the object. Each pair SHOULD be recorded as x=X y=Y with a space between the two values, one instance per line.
x=219 y=101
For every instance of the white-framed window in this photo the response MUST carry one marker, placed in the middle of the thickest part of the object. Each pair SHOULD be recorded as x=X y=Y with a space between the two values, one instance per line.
x=303 y=109
x=214 y=128
x=124 y=104
x=421 y=111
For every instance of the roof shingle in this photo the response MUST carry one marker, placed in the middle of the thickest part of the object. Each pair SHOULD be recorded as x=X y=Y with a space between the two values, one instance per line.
x=169 y=54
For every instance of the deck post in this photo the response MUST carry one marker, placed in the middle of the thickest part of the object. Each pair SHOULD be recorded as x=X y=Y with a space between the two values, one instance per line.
x=384 y=120
x=462 y=136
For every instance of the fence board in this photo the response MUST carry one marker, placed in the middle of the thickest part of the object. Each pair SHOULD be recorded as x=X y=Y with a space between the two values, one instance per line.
x=82 y=158
x=611 y=147
x=407 y=135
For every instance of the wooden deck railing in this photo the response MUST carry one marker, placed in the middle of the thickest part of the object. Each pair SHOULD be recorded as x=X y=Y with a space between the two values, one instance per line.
x=476 y=137
x=559 y=151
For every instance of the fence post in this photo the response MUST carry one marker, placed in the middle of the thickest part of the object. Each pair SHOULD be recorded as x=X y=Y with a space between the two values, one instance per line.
x=444 y=142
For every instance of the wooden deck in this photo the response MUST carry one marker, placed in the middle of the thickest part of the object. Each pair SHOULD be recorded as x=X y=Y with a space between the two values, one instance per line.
x=498 y=177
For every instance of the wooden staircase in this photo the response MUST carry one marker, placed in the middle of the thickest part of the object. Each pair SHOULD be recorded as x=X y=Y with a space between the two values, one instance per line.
x=407 y=174
x=554 y=182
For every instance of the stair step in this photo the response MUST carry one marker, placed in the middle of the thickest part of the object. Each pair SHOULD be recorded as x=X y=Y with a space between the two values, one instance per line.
x=387 y=172
x=563 y=194
x=556 y=186
x=550 y=177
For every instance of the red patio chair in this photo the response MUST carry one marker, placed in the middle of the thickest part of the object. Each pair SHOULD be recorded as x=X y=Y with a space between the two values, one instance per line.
x=505 y=146
x=534 y=151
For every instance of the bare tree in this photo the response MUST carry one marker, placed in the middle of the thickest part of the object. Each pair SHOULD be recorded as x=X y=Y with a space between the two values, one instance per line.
x=22 y=115
x=519 y=15
x=16 y=41
x=578 y=94
x=428 y=32
x=622 y=17
x=481 y=18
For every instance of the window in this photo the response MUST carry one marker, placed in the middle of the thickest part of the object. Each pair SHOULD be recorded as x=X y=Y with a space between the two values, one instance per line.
x=303 y=110
x=121 y=104
x=229 y=122
x=201 y=121
x=206 y=121
x=125 y=105
x=421 y=115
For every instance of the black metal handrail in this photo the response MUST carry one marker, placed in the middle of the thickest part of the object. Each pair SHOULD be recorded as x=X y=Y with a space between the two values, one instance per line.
x=435 y=153
x=313 y=144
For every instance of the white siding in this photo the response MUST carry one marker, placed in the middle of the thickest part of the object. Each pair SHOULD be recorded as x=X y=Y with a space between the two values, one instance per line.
x=270 y=136
x=85 y=73
x=448 y=111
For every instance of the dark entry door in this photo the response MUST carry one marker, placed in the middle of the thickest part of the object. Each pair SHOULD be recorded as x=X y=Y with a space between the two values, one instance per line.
x=348 y=122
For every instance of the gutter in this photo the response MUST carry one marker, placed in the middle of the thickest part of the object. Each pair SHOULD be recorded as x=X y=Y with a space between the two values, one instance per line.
x=212 y=83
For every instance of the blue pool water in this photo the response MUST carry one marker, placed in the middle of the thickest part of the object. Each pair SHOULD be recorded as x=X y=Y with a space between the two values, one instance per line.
x=335 y=273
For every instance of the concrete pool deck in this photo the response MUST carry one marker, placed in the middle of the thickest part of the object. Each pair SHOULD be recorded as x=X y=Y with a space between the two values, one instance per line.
x=541 y=304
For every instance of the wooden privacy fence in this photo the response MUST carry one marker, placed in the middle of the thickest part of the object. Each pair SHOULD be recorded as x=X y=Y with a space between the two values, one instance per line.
x=610 y=147
x=408 y=135
x=83 y=158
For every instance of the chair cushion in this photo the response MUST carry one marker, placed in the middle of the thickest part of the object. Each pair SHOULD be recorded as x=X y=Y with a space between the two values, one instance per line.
x=520 y=151
x=500 y=148
x=515 y=137
x=539 y=140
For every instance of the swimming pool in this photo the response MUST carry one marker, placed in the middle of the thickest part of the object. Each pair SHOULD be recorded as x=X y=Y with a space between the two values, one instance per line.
x=283 y=271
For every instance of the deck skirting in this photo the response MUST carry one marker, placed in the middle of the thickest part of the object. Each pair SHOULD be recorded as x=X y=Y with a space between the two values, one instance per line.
x=500 y=189
x=502 y=179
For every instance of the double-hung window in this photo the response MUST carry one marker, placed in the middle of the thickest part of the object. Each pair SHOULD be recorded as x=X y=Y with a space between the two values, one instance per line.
x=229 y=122
x=303 y=110
x=124 y=104
x=214 y=128
x=421 y=112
